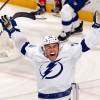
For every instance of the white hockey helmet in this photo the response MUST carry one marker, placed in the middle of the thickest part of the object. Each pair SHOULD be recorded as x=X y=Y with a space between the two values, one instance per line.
x=49 y=39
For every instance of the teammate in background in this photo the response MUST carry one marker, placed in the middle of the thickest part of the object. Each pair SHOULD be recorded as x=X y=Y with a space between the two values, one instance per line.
x=70 y=19
x=54 y=64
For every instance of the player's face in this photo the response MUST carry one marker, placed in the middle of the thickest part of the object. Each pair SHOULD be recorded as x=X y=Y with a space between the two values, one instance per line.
x=51 y=51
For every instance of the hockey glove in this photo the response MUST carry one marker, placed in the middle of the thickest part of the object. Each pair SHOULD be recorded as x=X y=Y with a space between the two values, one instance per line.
x=9 y=24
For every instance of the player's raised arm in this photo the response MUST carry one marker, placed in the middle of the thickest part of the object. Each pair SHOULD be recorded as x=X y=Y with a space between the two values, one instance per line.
x=93 y=35
x=91 y=39
x=10 y=26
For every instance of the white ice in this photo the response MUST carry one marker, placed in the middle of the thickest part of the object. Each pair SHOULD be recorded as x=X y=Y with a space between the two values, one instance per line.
x=17 y=77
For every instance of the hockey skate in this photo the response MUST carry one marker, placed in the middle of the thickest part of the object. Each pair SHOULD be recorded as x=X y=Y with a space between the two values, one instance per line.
x=78 y=29
x=40 y=11
x=96 y=20
x=56 y=12
x=65 y=35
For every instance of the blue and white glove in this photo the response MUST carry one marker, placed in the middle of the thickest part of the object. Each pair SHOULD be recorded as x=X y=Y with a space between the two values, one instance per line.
x=9 y=24
x=96 y=20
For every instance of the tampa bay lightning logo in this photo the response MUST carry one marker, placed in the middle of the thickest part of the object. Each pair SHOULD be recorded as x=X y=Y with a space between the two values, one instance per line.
x=52 y=70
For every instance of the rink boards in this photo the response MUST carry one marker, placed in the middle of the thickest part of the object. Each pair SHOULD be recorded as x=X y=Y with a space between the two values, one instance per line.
x=85 y=14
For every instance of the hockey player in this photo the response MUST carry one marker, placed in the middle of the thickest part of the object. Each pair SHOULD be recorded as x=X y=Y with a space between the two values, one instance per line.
x=42 y=7
x=70 y=19
x=58 y=6
x=54 y=64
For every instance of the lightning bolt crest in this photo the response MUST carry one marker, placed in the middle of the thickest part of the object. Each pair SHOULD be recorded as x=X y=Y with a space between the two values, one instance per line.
x=49 y=68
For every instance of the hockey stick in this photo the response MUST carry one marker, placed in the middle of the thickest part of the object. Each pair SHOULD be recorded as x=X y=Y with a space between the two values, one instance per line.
x=4 y=4
x=24 y=14
x=27 y=15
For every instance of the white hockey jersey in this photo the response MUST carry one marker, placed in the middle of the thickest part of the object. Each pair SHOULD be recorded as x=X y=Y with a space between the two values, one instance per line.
x=58 y=75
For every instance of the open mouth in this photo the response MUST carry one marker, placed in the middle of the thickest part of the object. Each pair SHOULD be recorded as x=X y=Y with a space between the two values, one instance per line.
x=52 y=54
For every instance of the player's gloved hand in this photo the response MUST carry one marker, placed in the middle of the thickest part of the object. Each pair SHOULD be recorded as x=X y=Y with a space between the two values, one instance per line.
x=96 y=20
x=9 y=24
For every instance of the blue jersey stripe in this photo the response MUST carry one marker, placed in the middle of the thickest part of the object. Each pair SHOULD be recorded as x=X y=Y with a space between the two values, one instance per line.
x=23 y=51
x=84 y=46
